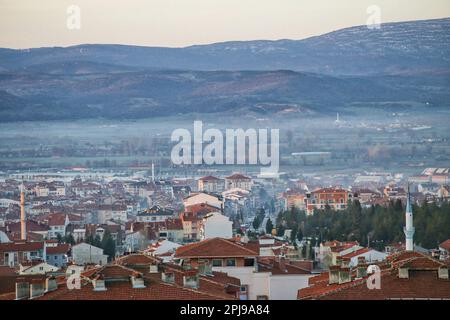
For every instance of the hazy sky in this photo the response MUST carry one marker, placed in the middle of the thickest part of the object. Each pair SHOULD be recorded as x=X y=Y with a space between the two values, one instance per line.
x=174 y=23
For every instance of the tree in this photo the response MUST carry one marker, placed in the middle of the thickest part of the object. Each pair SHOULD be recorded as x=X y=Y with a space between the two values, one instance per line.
x=69 y=239
x=108 y=244
x=269 y=226
x=256 y=222
x=59 y=237
x=299 y=234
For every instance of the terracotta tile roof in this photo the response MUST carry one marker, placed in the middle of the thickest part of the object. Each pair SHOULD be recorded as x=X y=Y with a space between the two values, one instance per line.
x=7 y=271
x=21 y=246
x=124 y=291
x=273 y=265
x=356 y=253
x=215 y=247
x=445 y=245
x=137 y=260
x=59 y=249
x=114 y=271
x=209 y=178
x=423 y=282
x=31 y=226
x=330 y=190
x=238 y=176
x=56 y=219
x=200 y=209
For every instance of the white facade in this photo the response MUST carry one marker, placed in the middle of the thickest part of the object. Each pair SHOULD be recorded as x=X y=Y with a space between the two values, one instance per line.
x=117 y=215
x=370 y=256
x=216 y=225
x=153 y=217
x=3 y=237
x=203 y=198
x=83 y=253
x=285 y=287
x=41 y=268
x=265 y=284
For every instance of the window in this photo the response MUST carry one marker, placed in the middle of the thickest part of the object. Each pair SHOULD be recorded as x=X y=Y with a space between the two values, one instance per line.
x=217 y=262
x=249 y=262
x=55 y=257
x=262 y=298
x=231 y=262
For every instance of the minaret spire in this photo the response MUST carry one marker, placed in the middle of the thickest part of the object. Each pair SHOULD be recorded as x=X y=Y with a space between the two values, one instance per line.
x=409 y=227
x=23 y=222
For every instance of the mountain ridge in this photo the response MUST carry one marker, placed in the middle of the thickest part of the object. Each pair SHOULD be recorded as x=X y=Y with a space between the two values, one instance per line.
x=400 y=65
x=350 y=51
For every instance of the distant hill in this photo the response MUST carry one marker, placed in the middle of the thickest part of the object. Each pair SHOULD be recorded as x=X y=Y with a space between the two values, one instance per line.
x=394 y=48
x=401 y=64
x=142 y=94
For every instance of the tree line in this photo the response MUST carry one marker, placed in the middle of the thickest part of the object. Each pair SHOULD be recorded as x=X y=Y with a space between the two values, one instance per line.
x=376 y=226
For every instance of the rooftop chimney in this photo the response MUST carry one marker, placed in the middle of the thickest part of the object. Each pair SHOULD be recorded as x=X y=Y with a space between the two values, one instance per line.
x=153 y=268
x=137 y=281
x=190 y=279
x=334 y=274
x=344 y=275
x=168 y=277
x=50 y=284
x=22 y=289
x=99 y=283
x=361 y=268
x=37 y=288
x=443 y=272
x=23 y=224
x=345 y=262
x=403 y=273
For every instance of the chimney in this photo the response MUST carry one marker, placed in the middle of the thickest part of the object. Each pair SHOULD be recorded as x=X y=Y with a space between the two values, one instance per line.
x=22 y=289
x=153 y=268
x=190 y=279
x=99 y=283
x=50 y=284
x=344 y=275
x=137 y=281
x=23 y=225
x=282 y=263
x=37 y=288
x=443 y=272
x=205 y=269
x=345 y=262
x=403 y=273
x=334 y=274
x=168 y=277
x=361 y=268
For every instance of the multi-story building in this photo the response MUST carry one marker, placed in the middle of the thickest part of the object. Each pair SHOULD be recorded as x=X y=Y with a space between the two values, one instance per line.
x=84 y=253
x=238 y=180
x=14 y=253
x=335 y=198
x=154 y=214
x=210 y=184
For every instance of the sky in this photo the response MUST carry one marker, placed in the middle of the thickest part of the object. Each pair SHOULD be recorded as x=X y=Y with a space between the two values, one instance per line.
x=178 y=23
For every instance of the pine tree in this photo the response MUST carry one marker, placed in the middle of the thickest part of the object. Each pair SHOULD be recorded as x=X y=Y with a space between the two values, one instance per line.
x=269 y=226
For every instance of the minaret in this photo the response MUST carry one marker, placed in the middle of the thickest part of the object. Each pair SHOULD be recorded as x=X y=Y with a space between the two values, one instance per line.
x=153 y=172
x=23 y=223
x=409 y=228
x=337 y=118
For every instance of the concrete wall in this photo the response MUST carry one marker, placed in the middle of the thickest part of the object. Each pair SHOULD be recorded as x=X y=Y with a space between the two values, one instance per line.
x=285 y=287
